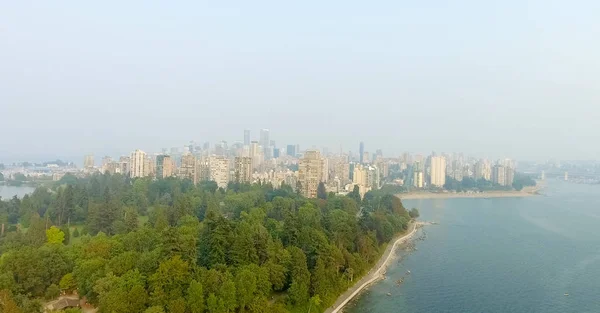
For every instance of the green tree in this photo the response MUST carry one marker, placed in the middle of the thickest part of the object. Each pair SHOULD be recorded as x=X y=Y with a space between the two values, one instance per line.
x=155 y=309
x=176 y=306
x=245 y=287
x=54 y=235
x=68 y=283
x=131 y=220
x=300 y=277
x=65 y=229
x=228 y=296
x=355 y=194
x=321 y=191
x=7 y=303
x=215 y=305
x=36 y=234
x=52 y=292
x=195 y=297
x=414 y=213
x=314 y=302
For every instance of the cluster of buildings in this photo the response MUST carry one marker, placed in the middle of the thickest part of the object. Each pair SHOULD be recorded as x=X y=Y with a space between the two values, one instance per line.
x=432 y=171
x=252 y=161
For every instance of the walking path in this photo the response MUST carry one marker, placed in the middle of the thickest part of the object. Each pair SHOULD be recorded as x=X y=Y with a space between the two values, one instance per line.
x=372 y=276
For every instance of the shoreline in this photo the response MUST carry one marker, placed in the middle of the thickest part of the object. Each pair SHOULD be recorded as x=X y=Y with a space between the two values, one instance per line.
x=373 y=276
x=458 y=195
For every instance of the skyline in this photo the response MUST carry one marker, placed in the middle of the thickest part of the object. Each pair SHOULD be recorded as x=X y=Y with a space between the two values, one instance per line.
x=80 y=78
x=255 y=137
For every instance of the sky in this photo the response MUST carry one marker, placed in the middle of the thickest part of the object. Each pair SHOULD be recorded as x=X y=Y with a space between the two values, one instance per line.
x=517 y=79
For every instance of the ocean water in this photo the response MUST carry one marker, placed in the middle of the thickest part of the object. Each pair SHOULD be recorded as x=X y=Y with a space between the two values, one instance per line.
x=499 y=256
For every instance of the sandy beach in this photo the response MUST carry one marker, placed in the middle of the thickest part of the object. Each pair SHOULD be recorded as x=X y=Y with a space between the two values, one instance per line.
x=374 y=274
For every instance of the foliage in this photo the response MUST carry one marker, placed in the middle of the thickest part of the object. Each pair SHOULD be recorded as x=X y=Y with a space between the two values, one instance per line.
x=52 y=292
x=413 y=213
x=250 y=248
x=54 y=235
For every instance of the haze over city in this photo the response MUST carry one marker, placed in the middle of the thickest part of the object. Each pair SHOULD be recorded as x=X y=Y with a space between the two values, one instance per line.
x=515 y=79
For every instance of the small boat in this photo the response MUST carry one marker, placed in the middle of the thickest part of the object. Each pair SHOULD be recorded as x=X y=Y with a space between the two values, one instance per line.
x=389 y=294
x=407 y=272
x=566 y=294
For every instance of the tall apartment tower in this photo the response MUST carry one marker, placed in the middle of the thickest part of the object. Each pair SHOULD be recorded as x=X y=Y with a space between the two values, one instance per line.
x=310 y=173
x=499 y=175
x=164 y=166
x=219 y=170
x=246 y=137
x=188 y=168
x=243 y=169
x=264 y=138
x=136 y=164
x=291 y=150
x=88 y=161
x=361 y=152
x=438 y=171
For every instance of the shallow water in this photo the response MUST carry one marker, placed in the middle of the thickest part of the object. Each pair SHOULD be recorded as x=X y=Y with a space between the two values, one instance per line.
x=499 y=255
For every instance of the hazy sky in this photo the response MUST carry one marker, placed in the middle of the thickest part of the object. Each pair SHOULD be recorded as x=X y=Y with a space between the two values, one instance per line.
x=511 y=78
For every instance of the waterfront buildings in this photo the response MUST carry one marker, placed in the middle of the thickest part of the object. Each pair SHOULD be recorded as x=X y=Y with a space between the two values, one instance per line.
x=438 y=171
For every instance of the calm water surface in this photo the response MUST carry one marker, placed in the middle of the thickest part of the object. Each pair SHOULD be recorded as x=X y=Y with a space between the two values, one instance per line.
x=499 y=255
x=7 y=192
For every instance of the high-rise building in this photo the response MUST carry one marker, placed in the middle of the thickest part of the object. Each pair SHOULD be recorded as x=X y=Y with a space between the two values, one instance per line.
x=418 y=179
x=214 y=168
x=219 y=170
x=365 y=157
x=88 y=161
x=137 y=162
x=499 y=175
x=438 y=171
x=291 y=150
x=509 y=176
x=246 y=137
x=256 y=154
x=361 y=151
x=149 y=166
x=188 y=167
x=340 y=169
x=310 y=173
x=276 y=153
x=125 y=165
x=164 y=166
x=243 y=169
x=105 y=163
x=264 y=138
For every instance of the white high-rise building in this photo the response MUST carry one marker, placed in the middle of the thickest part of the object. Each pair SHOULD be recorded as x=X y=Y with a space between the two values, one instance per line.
x=137 y=164
x=218 y=170
x=438 y=171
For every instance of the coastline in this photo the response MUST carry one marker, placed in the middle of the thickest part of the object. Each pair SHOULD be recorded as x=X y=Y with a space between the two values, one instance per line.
x=449 y=195
x=376 y=273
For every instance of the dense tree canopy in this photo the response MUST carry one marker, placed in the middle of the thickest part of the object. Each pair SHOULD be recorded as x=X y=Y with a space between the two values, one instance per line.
x=141 y=245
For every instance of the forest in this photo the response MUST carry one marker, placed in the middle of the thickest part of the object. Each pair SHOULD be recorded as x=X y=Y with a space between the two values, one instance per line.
x=143 y=245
